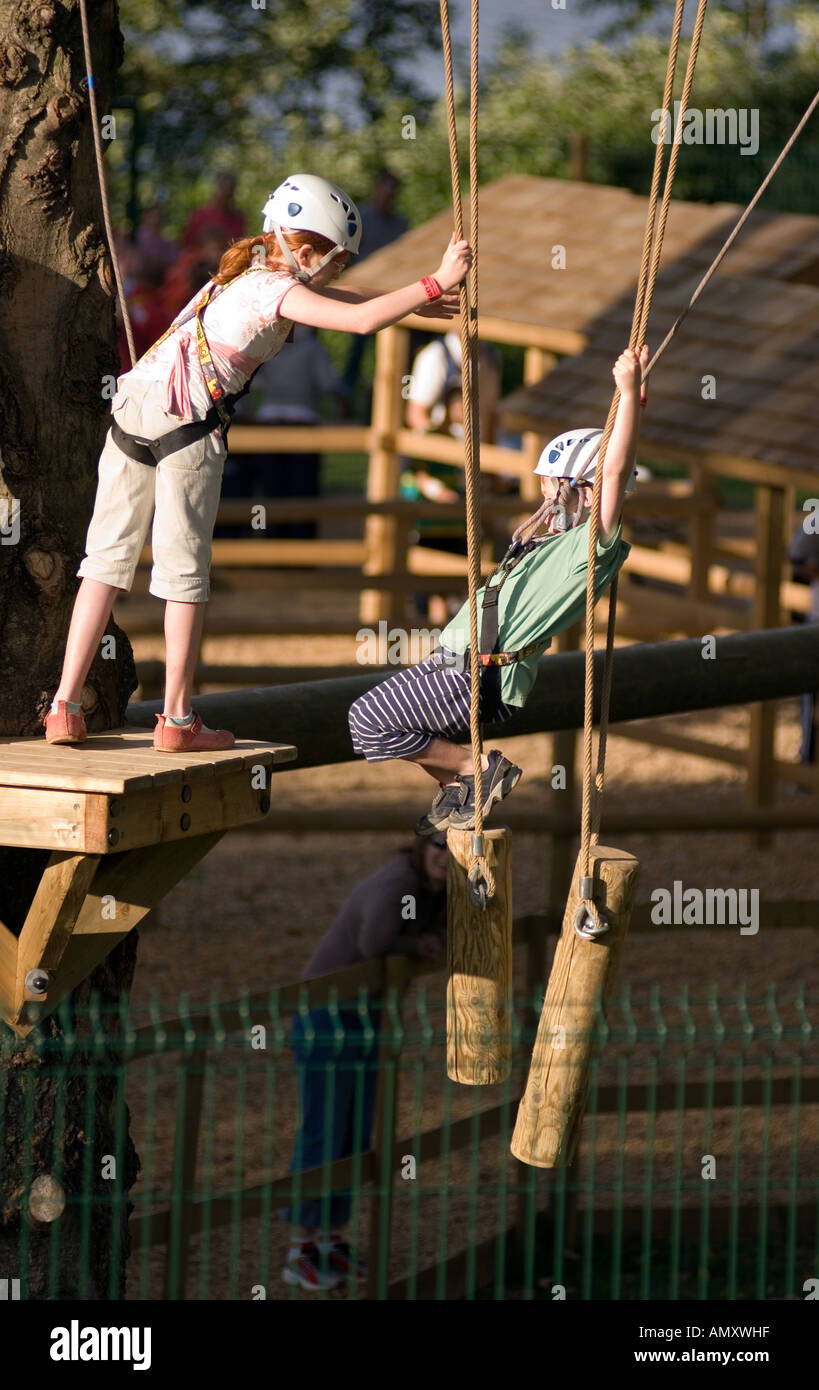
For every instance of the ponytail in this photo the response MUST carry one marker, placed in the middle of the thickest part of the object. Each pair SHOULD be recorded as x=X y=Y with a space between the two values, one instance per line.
x=243 y=253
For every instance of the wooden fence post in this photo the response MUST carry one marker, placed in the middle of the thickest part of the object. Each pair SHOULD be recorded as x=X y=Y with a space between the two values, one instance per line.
x=391 y=350
x=769 y=506
x=701 y=534
x=537 y=363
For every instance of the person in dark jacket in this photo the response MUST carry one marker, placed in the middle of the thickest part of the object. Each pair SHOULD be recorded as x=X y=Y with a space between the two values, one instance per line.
x=398 y=910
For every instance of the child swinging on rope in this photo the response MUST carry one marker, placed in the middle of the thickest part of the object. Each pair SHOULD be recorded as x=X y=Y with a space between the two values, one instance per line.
x=165 y=451
x=539 y=589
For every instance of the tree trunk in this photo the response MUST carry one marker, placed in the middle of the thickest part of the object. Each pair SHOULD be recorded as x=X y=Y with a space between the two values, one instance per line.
x=58 y=363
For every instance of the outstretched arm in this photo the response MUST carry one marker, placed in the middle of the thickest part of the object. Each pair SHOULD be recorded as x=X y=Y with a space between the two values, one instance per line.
x=314 y=307
x=619 y=461
x=447 y=307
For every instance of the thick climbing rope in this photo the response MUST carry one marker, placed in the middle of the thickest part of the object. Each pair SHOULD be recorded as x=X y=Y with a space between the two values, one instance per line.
x=529 y=527
x=731 y=238
x=593 y=784
x=649 y=267
x=480 y=874
x=106 y=210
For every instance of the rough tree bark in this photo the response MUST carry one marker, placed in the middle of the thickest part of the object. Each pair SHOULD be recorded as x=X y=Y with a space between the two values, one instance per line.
x=57 y=359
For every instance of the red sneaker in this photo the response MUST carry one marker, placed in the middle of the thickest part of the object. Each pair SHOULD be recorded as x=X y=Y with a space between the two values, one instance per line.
x=62 y=726
x=340 y=1260
x=169 y=738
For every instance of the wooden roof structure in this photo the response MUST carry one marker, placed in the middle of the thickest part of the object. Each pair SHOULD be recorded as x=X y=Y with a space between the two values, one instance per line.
x=738 y=387
x=522 y=218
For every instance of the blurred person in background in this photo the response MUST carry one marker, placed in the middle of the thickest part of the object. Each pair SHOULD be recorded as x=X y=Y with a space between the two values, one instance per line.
x=287 y=390
x=220 y=215
x=398 y=910
x=435 y=406
x=156 y=248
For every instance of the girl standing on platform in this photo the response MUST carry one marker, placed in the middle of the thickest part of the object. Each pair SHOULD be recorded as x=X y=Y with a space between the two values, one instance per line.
x=164 y=453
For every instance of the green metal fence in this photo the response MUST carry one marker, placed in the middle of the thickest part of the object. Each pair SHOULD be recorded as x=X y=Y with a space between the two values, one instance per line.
x=696 y=1176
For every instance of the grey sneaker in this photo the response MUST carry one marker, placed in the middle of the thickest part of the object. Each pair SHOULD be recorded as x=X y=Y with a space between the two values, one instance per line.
x=445 y=803
x=497 y=782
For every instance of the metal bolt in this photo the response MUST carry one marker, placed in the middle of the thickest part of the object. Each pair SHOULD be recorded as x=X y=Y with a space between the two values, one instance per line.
x=46 y=1200
x=113 y=837
x=113 y=808
x=184 y=821
x=187 y=793
x=37 y=980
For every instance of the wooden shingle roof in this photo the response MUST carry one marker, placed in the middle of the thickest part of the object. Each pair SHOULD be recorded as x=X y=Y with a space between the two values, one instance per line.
x=759 y=341
x=523 y=218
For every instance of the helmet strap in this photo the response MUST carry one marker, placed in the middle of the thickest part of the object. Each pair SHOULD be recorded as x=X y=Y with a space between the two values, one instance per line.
x=304 y=275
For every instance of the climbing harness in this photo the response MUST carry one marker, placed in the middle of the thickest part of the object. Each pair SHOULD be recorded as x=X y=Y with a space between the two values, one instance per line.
x=490 y=659
x=153 y=451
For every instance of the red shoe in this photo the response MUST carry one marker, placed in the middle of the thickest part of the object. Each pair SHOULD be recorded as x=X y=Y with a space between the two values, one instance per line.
x=169 y=738
x=62 y=726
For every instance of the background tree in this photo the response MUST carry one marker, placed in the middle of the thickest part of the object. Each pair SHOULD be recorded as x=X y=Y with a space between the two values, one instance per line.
x=57 y=354
x=234 y=85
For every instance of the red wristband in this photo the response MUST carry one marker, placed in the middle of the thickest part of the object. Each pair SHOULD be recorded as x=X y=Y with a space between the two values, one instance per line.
x=432 y=289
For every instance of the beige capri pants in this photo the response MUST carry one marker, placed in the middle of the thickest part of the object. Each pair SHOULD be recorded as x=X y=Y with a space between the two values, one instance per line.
x=181 y=494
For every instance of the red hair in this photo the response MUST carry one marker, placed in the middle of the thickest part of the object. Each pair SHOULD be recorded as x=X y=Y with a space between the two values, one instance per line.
x=240 y=254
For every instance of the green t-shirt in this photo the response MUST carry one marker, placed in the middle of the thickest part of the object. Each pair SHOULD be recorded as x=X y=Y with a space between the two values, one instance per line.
x=544 y=594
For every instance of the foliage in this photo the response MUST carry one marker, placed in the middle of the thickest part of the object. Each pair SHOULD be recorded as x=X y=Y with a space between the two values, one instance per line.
x=530 y=104
x=235 y=85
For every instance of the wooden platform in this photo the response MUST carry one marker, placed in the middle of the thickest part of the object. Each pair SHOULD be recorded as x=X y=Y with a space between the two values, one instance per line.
x=124 y=823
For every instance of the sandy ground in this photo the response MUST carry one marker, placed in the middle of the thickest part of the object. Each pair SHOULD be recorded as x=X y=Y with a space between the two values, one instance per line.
x=250 y=915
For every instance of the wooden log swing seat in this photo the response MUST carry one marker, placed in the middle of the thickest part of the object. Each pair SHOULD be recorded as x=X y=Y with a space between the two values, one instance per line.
x=124 y=823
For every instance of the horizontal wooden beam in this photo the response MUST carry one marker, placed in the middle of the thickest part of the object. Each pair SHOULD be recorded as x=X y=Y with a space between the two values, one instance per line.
x=300 y=439
x=497 y=330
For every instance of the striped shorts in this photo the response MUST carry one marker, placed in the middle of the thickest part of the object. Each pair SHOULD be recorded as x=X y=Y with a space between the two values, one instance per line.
x=400 y=717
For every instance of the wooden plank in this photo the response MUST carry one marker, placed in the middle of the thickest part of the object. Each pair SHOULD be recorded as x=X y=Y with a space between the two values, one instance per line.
x=196 y=808
x=44 y=818
x=19 y=770
x=391 y=353
x=124 y=762
x=294 y=553
x=494 y=329
x=99 y=823
x=296 y=439
x=50 y=919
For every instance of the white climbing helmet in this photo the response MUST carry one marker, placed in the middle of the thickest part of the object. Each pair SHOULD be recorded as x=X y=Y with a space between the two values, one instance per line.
x=573 y=455
x=312 y=204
